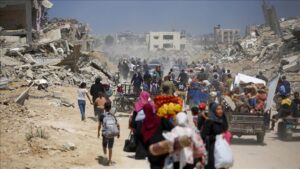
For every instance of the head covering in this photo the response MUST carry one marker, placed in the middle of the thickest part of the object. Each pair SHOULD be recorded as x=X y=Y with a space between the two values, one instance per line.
x=202 y=106
x=214 y=117
x=142 y=101
x=150 y=123
x=182 y=119
x=98 y=80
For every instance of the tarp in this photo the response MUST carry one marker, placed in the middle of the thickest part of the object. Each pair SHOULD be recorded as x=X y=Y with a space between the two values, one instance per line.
x=271 y=92
x=247 y=79
x=47 y=4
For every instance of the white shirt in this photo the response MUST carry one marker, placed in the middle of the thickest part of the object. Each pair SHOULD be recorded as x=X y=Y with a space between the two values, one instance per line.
x=81 y=94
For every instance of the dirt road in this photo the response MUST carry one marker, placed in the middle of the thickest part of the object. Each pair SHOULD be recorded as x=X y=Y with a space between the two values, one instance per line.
x=64 y=127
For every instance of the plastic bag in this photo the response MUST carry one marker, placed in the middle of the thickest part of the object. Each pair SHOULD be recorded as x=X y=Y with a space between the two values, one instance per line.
x=227 y=136
x=222 y=153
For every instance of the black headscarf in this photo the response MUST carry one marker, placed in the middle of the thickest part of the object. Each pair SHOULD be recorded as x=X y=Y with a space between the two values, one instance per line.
x=214 y=117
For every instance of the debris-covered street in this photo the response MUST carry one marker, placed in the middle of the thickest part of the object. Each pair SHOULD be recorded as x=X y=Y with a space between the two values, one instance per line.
x=155 y=96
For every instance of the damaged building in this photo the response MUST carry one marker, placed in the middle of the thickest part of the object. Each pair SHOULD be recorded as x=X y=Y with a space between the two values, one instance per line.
x=225 y=36
x=166 y=41
x=35 y=48
x=22 y=17
x=271 y=18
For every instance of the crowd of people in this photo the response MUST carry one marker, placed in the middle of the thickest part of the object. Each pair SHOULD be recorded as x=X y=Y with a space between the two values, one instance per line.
x=201 y=87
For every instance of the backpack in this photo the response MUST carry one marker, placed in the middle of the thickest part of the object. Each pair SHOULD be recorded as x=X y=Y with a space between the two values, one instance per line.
x=181 y=86
x=110 y=127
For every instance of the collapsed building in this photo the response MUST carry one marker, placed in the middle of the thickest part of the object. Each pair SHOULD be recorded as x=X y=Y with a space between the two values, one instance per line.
x=33 y=47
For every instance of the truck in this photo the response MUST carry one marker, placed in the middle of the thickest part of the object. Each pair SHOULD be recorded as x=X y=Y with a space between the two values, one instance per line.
x=242 y=122
x=248 y=124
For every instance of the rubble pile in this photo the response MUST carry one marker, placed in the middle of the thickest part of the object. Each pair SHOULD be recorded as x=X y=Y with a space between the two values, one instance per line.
x=264 y=46
x=61 y=53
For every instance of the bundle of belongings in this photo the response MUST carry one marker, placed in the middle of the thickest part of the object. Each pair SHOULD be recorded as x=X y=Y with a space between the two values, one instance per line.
x=249 y=97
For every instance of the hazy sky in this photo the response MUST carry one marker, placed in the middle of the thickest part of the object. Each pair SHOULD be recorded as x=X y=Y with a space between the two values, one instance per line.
x=196 y=17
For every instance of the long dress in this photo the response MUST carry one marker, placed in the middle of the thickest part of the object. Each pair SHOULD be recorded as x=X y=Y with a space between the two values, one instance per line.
x=209 y=132
x=140 y=152
x=157 y=162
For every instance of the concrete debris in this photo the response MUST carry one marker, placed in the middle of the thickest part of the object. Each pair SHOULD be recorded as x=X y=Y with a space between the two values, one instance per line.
x=61 y=42
x=29 y=74
x=51 y=36
x=292 y=64
x=3 y=83
x=23 y=96
x=98 y=66
x=69 y=146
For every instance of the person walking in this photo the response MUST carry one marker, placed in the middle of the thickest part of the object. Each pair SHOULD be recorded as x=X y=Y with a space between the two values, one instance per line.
x=152 y=132
x=215 y=125
x=99 y=104
x=183 y=77
x=95 y=90
x=137 y=121
x=137 y=81
x=170 y=84
x=111 y=129
x=82 y=92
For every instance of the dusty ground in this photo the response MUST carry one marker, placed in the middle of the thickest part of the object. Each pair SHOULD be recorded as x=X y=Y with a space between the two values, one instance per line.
x=63 y=126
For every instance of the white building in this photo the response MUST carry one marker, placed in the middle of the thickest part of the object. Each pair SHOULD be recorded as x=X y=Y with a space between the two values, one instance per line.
x=166 y=41
x=227 y=36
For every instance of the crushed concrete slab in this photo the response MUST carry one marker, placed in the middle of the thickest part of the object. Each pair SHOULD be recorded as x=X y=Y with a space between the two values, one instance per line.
x=51 y=36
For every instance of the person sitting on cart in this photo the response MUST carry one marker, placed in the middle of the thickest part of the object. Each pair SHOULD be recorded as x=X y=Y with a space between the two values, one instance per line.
x=261 y=97
x=283 y=111
x=296 y=105
x=251 y=96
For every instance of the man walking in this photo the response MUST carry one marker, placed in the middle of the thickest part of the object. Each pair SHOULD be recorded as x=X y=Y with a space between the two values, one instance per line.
x=95 y=90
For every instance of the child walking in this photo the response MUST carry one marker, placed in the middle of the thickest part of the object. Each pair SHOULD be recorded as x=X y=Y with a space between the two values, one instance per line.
x=111 y=129
x=82 y=92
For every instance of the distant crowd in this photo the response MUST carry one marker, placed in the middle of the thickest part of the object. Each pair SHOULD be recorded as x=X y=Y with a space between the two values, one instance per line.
x=202 y=88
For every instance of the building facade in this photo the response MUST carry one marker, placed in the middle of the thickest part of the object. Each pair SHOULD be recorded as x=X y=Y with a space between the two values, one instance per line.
x=226 y=36
x=166 y=41
x=22 y=16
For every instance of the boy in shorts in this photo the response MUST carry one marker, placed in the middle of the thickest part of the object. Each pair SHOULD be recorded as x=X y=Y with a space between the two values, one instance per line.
x=107 y=142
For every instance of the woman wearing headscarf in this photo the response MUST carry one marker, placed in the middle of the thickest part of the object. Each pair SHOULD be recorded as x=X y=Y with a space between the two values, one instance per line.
x=137 y=121
x=215 y=125
x=152 y=132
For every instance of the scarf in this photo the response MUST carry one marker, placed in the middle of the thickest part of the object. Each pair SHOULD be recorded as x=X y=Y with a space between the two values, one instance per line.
x=214 y=117
x=142 y=101
x=150 y=123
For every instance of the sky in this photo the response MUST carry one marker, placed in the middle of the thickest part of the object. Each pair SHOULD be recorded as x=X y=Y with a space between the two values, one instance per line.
x=194 y=16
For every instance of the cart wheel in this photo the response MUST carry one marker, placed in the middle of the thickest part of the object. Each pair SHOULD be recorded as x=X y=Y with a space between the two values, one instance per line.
x=118 y=105
x=127 y=108
x=260 y=137
x=288 y=135
x=281 y=130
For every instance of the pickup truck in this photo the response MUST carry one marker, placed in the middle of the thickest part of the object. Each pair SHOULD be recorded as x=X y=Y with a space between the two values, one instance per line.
x=248 y=124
